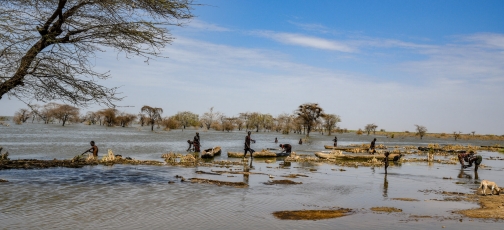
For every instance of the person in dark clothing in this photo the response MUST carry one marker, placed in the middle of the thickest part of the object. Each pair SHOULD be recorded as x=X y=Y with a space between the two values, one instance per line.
x=476 y=159
x=197 y=143
x=247 y=148
x=276 y=140
x=93 y=149
x=335 y=141
x=287 y=148
x=190 y=145
x=464 y=157
x=301 y=141
x=372 y=147
x=386 y=160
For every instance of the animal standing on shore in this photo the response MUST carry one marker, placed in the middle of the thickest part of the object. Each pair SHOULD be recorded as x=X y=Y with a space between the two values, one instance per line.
x=485 y=184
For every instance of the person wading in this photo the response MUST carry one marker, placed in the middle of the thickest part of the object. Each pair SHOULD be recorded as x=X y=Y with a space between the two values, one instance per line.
x=93 y=149
x=197 y=143
x=372 y=147
x=247 y=145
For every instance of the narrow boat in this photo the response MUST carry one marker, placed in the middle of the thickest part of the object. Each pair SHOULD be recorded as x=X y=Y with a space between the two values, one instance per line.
x=260 y=154
x=342 y=148
x=209 y=153
x=359 y=157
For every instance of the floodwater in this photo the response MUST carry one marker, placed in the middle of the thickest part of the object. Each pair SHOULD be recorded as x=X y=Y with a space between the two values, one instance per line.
x=133 y=197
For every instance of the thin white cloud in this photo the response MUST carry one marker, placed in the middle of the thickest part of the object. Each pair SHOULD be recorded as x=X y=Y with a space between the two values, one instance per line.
x=308 y=41
x=201 y=25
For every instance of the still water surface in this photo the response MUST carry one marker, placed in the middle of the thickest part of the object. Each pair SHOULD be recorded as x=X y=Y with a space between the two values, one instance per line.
x=133 y=197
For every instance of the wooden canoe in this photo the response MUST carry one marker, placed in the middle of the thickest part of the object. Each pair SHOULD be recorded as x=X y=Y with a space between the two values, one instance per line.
x=342 y=148
x=209 y=153
x=329 y=154
x=357 y=157
x=259 y=154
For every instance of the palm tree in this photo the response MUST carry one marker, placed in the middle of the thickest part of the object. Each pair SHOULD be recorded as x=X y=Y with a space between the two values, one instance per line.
x=153 y=115
x=309 y=113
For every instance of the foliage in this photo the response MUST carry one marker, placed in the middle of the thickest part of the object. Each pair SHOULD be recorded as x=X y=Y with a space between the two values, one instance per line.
x=370 y=128
x=330 y=121
x=359 y=132
x=48 y=46
x=209 y=117
x=309 y=114
x=187 y=119
x=153 y=115
x=421 y=131
x=170 y=123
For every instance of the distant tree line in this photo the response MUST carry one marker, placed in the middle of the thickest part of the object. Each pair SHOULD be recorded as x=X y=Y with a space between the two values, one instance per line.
x=307 y=118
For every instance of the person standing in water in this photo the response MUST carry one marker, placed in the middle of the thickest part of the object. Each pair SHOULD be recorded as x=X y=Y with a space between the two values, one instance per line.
x=372 y=147
x=93 y=149
x=301 y=141
x=247 y=145
x=190 y=145
x=287 y=148
x=276 y=140
x=197 y=143
x=386 y=160
x=335 y=141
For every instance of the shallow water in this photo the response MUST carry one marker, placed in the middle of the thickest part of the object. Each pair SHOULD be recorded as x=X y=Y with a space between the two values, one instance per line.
x=133 y=197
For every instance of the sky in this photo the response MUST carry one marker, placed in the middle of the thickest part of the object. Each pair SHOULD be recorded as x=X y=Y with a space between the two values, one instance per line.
x=397 y=64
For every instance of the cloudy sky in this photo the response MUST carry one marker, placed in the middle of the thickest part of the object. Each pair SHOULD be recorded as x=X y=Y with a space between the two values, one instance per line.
x=439 y=64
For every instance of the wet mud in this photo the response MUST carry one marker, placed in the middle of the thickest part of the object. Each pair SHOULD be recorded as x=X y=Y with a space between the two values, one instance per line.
x=219 y=183
x=273 y=182
x=311 y=214
x=385 y=209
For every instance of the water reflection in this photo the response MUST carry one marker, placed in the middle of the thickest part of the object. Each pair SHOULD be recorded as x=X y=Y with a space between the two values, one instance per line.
x=463 y=174
x=385 y=186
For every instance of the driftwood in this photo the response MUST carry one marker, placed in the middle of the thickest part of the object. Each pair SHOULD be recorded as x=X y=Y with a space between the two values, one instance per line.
x=329 y=154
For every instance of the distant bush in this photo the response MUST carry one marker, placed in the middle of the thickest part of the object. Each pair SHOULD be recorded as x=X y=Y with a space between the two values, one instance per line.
x=359 y=132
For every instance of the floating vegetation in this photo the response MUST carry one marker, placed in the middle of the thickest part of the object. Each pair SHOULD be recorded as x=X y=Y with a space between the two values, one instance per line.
x=385 y=209
x=3 y=181
x=311 y=214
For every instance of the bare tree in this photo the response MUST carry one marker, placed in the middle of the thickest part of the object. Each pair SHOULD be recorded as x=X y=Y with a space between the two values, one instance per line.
x=330 y=121
x=457 y=135
x=421 y=131
x=309 y=113
x=370 y=128
x=210 y=117
x=48 y=47
x=153 y=115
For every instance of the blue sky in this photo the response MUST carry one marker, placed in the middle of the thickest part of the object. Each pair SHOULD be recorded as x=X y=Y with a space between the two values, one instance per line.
x=393 y=63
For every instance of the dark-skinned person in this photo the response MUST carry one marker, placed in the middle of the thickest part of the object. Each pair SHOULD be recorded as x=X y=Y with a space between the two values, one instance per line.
x=247 y=148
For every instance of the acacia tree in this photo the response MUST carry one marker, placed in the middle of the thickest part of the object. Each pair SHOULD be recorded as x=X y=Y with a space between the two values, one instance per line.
x=370 y=128
x=66 y=113
x=309 y=113
x=153 y=115
x=48 y=47
x=108 y=116
x=421 y=131
x=21 y=116
x=187 y=118
x=330 y=121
